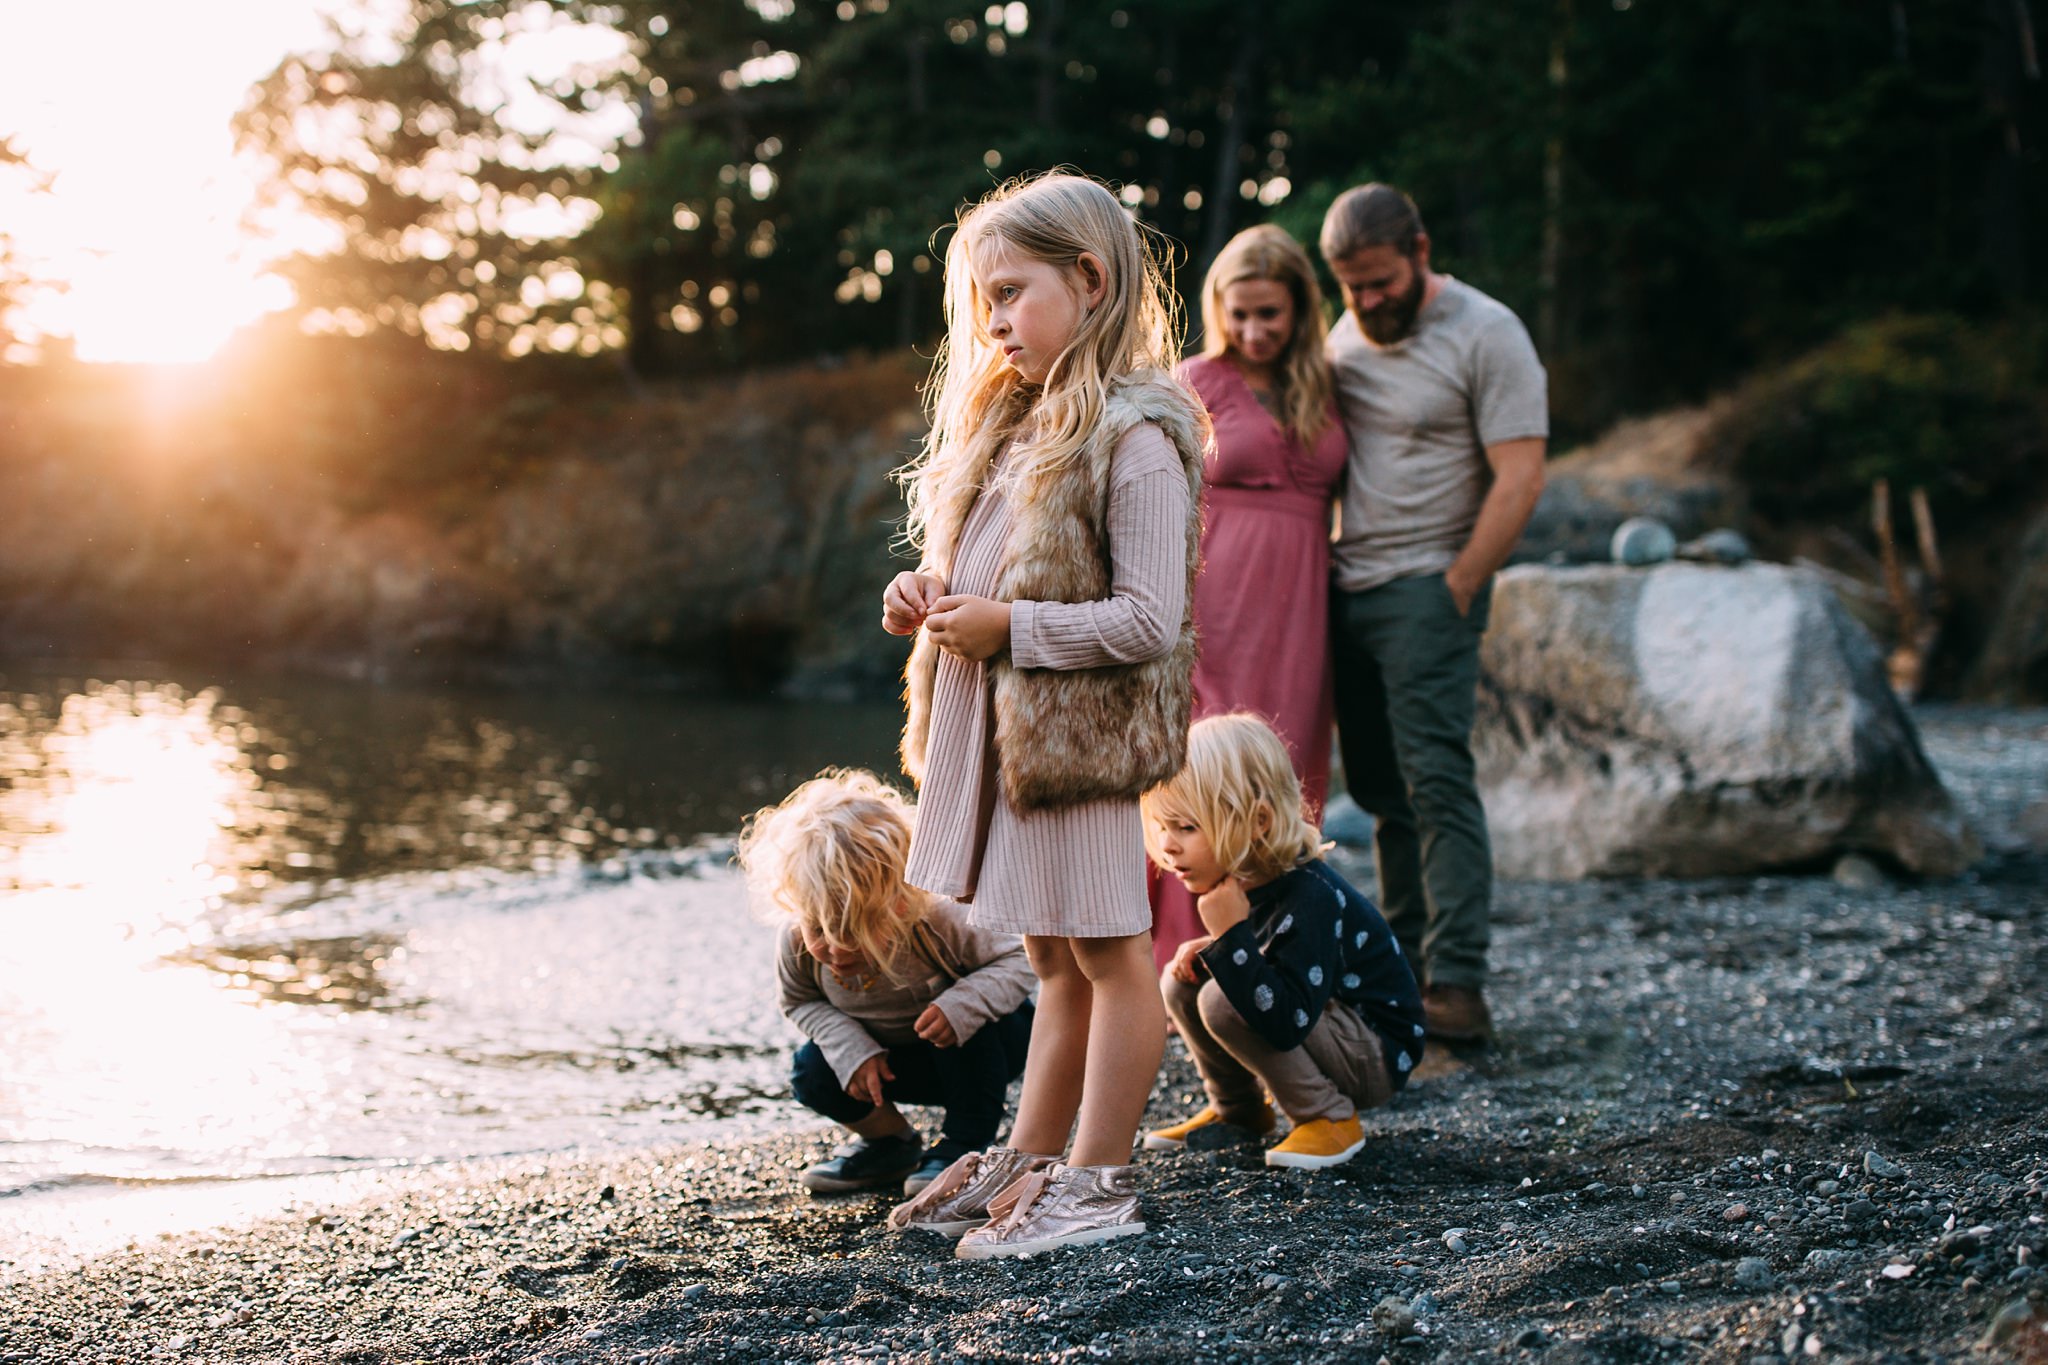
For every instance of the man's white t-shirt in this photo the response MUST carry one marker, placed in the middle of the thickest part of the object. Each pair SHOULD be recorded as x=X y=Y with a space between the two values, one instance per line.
x=1420 y=414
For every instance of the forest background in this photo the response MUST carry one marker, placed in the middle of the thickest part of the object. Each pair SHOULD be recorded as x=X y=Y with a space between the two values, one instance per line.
x=627 y=404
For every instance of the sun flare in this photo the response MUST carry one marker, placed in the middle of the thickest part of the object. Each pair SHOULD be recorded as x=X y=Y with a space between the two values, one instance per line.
x=138 y=232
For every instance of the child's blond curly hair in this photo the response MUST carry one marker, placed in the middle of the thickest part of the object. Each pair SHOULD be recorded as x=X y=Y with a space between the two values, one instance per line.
x=831 y=853
x=1239 y=789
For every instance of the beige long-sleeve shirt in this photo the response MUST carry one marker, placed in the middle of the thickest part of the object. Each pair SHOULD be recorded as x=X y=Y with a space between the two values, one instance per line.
x=975 y=976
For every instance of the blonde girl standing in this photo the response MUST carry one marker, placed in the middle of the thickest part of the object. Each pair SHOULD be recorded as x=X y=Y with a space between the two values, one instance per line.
x=1056 y=505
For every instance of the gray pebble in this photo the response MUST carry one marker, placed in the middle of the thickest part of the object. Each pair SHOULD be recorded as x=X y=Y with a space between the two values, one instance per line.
x=1874 y=1164
x=1346 y=823
x=1721 y=546
x=1393 y=1318
x=1642 y=540
x=1859 y=873
x=1753 y=1274
x=1671 y=1287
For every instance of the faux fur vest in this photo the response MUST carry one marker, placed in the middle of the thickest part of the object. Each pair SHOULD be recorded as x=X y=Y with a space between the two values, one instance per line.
x=1065 y=736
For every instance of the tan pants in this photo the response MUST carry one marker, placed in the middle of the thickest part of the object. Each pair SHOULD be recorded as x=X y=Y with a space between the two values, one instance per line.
x=1338 y=1070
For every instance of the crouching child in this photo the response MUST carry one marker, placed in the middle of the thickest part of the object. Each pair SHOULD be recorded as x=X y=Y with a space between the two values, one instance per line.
x=1298 y=989
x=900 y=998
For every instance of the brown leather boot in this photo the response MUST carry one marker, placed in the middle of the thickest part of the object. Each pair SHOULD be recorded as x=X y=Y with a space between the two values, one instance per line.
x=1457 y=1014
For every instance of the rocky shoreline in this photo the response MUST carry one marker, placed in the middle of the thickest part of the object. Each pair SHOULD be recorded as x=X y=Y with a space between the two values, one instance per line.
x=1755 y=1120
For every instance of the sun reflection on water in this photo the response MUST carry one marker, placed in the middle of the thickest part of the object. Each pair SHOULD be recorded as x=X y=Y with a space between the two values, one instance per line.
x=317 y=928
x=128 y=813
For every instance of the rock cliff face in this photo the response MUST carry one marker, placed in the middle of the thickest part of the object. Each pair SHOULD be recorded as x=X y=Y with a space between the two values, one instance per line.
x=734 y=534
x=1687 y=721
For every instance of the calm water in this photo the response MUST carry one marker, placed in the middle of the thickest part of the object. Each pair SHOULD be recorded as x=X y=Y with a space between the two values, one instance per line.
x=256 y=928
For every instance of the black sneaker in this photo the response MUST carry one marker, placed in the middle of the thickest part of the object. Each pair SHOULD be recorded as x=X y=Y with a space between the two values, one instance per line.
x=865 y=1164
x=943 y=1153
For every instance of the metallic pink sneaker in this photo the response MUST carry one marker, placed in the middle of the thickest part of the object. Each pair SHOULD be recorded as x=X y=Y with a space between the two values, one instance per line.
x=959 y=1199
x=1060 y=1206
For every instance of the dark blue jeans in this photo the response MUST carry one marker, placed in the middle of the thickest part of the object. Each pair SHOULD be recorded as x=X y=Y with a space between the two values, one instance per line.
x=970 y=1082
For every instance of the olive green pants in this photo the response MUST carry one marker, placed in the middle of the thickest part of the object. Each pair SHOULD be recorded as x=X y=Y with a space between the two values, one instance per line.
x=1407 y=670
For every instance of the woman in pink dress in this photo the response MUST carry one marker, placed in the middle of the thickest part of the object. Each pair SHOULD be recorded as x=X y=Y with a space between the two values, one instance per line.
x=1267 y=491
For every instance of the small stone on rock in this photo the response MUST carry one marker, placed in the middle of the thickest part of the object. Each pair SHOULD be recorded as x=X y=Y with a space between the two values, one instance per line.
x=1721 y=546
x=1642 y=540
x=1874 y=1164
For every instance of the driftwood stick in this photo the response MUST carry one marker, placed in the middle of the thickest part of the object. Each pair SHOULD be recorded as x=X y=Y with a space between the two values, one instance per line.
x=1930 y=551
x=1906 y=664
x=1888 y=550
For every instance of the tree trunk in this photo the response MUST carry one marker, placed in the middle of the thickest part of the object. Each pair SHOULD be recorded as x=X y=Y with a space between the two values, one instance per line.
x=1553 y=184
x=2008 y=61
x=1046 y=17
x=1236 y=111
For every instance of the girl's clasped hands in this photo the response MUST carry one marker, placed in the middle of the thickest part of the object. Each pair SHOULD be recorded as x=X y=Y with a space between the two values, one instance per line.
x=973 y=628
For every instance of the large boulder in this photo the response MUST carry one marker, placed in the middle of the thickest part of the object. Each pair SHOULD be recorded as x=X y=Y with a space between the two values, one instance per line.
x=1689 y=721
x=2014 y=664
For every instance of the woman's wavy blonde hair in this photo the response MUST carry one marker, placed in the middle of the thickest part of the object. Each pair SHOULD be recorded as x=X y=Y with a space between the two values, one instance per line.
x=1267 y=252
x=1239 y=789
x=832 y=854
x=974 y=400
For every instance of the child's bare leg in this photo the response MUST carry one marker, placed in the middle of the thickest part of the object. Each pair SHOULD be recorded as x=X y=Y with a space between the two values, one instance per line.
x=1059 y=1049
x=1126 y=1042
x=886 y=1121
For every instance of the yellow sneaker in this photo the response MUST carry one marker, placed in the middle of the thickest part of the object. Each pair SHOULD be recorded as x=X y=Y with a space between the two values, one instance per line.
x=1319 y=1143
x=1174 y=1138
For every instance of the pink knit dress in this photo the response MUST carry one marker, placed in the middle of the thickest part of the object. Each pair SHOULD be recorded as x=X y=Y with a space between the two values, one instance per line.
x=1261 y=602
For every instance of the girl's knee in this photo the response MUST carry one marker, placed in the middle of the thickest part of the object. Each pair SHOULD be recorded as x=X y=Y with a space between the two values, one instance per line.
x=1052 y=959
x=1218 y=1014
x=811 y=1081
x=1104 y=960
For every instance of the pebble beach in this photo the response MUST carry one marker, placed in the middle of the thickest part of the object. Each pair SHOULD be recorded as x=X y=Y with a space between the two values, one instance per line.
x=1757 y=1119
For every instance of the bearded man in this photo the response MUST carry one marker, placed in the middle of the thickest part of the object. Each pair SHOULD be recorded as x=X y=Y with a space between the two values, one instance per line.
x=1446 y=406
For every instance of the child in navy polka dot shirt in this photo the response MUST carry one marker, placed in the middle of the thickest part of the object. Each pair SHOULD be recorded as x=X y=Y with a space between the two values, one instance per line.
x=1298 y=988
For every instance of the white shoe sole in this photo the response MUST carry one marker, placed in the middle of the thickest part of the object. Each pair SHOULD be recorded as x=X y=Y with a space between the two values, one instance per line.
x=1302 y=1161
x=989 y=1251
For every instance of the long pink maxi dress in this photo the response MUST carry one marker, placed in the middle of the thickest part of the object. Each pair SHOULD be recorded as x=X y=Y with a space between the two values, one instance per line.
x=1261 y=602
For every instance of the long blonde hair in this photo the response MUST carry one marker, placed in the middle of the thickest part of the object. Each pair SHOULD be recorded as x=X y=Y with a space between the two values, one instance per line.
x=1239 y=789
x=831 y=853
x=976 y=401
x=1267 y=252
